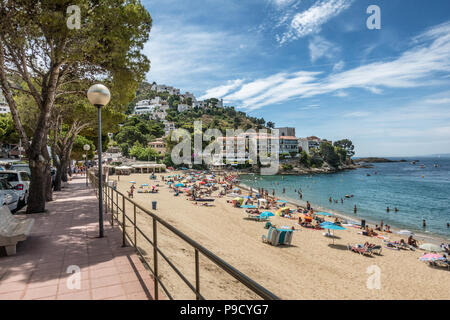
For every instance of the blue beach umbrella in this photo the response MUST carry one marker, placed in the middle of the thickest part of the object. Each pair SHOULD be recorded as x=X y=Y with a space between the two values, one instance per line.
x=133 y=182
x=144 y=185
x=331 y=226
x=268 y=214
x=282 y=201
x=179 y=185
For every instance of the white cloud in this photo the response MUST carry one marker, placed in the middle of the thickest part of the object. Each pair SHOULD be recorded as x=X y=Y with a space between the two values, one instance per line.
x=321 y=48
x=438 y=101
x=339 y=66
x=311 y=20
x=417 y=67
x=357 y=114
x=222 y=90
x=181 y=55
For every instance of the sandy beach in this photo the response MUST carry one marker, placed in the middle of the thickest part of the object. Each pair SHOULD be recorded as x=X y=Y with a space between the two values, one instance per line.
x=312 y=268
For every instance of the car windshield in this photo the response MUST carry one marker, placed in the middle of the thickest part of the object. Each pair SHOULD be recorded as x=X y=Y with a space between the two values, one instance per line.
x=11 y=177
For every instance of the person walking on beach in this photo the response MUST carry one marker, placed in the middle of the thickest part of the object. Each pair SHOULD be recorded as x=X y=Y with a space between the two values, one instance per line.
x=308 y=205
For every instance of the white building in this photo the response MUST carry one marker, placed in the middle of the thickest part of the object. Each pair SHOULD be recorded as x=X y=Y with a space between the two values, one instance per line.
x=303 y=144
x=4 y=107
x=286 y=131
x=168 y=126
x=144 y=107
x=183 y=107
x=164 y=88
x=190 y=95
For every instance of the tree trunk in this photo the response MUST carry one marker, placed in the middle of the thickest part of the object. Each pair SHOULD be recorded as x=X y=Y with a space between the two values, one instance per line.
x=58 y=178
x=36 y=197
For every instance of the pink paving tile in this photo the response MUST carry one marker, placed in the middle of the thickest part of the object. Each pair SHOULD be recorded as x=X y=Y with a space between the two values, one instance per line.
x=68 y=236
x=105 y=281
x=17 y=295
x=63 y=288
x=107 y=292
x=105 y=272
x=138 y=296
x=43 y=292
x=13 y=276
x=82 y=295
x=134 y=287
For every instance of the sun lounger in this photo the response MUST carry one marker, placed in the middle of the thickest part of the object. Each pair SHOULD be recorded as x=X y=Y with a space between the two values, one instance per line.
x=12 y=230
x=361 y=249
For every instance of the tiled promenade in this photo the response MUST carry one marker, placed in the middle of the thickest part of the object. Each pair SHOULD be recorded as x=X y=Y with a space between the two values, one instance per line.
x=67 y=236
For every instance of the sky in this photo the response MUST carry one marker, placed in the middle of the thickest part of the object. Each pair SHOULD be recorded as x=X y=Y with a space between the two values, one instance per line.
x=315 y=66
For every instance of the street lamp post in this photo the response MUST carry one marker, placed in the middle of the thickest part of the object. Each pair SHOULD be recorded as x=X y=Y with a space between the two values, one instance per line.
x=86 y=148
x=99 y=96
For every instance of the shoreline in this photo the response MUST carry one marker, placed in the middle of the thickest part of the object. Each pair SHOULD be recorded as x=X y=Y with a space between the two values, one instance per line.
x=228 y=233
x=433 y=238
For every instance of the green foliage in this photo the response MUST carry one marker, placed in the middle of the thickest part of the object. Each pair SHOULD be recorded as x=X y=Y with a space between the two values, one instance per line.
x=329 y=154
x=8 y=132
x=143 y=153
x=304 y=159
x=347 y=146
x=78 y=151
x=138 y=129
x=287 y=167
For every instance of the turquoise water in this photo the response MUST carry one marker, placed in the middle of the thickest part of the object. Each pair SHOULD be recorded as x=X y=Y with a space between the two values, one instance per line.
x=397 y=184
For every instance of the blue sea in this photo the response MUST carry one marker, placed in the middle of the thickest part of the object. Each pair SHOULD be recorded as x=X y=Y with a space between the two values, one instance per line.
x=418 y=193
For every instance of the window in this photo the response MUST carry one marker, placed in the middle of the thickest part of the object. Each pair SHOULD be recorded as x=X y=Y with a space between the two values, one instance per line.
x=24 y=176
x=11 y=177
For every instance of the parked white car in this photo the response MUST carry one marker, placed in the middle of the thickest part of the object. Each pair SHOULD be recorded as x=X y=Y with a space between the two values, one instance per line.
x=20 y=180
x=21 y=167
x=8 y=195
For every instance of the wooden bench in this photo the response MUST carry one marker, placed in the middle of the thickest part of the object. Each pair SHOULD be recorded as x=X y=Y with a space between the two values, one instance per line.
x=13 y=230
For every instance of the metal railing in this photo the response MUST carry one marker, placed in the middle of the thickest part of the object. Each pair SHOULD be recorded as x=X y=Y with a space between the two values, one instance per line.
x=116 y=201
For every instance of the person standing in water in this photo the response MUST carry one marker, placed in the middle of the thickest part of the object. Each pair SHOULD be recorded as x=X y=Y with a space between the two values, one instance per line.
x=355 y=210
x=424 y=223
x=387 y=209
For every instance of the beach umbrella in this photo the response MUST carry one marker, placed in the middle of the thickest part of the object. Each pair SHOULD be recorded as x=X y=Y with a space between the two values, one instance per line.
x=133 y=182
x=406 y=233
x=282 y=201
x=179 y=185
x=431 y=257
x=324 y=214
x=238 y=199
x=304 y=216
x=331 y=226
x=268 y=214
x=431 y=247
x=236 y=189
x=248 y=206
x=144 y=185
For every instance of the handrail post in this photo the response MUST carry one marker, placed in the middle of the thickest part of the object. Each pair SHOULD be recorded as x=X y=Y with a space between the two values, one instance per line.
x=123 y=222
x=105 y=198
x=135 y=226
x=111 y=193
x=197 y=275
x=155 y=257
x=117 y=206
